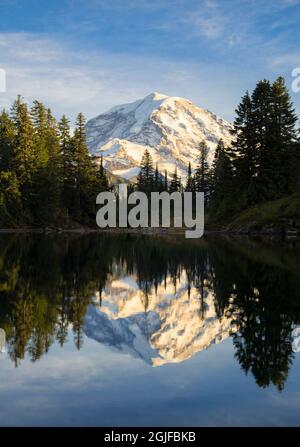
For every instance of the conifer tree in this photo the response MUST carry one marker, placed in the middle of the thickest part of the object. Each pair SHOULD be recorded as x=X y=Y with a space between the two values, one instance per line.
x=202 y=175
x=10 y=199
x=7 y=140
x=189 y=186
x=25 y=160
x=175 y=183
x=145 y=177
x=103 y=180
x=244 y=147
x=165 y=182
x=85 y=176
x=283 y=137
x=222 y=177
x=47 y=179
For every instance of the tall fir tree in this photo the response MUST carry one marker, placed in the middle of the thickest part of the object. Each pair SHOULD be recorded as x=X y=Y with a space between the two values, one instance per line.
x=85 y=178
x=283 y=136
x=25 y=159
x=189 y=186
x=202 y=175
x=103 y=180
x=244 y=150
x=165 y=182
x=7 y=140
x=145 y=177
x=222 y=190
x=175 y=183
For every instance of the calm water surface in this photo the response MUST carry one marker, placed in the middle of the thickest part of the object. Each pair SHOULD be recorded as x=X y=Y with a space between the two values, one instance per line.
x=138 y=330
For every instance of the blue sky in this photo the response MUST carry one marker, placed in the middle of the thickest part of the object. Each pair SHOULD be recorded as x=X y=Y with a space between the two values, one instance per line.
x=90 y=55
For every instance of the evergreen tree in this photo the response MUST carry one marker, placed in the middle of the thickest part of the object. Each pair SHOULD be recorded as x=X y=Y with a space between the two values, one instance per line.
x=145 y=178
x=103 y=180
x=24 y=161
x=46 y=180
x=85 y=178
x=165 y=182
x=222 y=187
x=283 y=136
x=7 y=139
x=158 y=182
x=175 y=183
x=202 y=175
x=10 y=204
x=244 y=149
x=189 y=186
x=67 y=162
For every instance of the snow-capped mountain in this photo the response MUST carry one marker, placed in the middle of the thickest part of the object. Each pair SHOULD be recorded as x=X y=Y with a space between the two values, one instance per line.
x=168 y=326
x=171 y=128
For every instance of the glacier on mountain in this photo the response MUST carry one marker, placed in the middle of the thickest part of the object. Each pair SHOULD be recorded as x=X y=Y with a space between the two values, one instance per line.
x=171 y=128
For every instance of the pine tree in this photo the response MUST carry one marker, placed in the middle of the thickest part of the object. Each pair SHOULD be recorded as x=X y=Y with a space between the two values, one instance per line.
x=175 y=183
x=46 y=187
x=244 y=149
x=67 y=163
x=7 y=139
x=165 y=182
x=222 y=178
x=145 y=177
x=10 y=199
x=25 y=160
x=202 y=175
x=189 y=186
x=103 y=180
x=283 y=136
x=85 y=178
x=66 y=154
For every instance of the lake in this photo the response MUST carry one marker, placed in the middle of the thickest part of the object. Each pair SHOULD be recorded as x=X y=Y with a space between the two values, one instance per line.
x=137 y=330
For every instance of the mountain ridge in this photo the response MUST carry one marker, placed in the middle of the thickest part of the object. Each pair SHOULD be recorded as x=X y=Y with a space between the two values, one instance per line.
x=170 y=127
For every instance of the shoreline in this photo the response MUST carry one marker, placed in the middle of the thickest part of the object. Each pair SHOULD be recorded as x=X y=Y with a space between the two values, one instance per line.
x=282 y=233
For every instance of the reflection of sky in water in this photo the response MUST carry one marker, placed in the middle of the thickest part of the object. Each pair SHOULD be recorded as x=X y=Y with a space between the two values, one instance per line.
x=100 y=386
x=165 y=342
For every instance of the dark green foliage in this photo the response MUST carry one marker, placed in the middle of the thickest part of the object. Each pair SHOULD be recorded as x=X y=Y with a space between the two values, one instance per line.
x=103 y=180
x=146 y=175
x=202 y=175
x=175 y=183
x=47 y=177
x=254 y=285
x=10 y=205
x=190 y=185
x=263 y=161
x=7 y=139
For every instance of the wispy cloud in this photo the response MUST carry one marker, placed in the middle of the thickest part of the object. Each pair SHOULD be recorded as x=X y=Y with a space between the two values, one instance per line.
x=283 y=60
x=70 y=81
x=92 y=80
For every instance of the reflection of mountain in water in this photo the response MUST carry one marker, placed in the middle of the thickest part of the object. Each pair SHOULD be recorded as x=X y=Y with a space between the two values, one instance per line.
x=158 y=298
x=167 y=325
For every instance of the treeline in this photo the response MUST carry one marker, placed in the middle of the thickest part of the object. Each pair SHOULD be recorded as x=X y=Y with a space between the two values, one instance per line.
x=46 y=173
x=47 y=176
x=262 y=163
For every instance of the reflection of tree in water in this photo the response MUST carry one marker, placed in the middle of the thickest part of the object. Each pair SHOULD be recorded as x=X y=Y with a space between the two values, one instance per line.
x=265 y=304
x=46 y=284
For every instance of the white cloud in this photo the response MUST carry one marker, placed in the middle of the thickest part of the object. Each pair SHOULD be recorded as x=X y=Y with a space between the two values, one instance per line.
x=287 y=59
x=207 y=21
x=69 y=81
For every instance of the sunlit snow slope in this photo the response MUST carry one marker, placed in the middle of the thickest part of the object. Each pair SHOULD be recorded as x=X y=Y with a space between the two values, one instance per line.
x=171 y=128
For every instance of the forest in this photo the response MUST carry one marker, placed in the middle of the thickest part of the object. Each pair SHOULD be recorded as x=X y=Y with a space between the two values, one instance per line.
x=48 y=178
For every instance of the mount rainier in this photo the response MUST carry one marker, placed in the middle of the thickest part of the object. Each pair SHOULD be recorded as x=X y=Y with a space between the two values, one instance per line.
x=171 y=128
